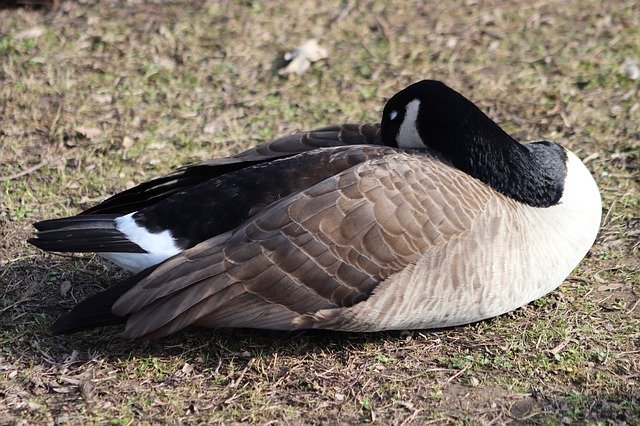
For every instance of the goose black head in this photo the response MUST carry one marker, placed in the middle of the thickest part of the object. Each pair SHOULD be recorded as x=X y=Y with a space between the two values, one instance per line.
x=430 y=115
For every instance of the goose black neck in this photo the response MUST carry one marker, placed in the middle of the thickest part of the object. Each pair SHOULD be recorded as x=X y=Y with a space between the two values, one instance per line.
x=461 y=133
x=533 y=174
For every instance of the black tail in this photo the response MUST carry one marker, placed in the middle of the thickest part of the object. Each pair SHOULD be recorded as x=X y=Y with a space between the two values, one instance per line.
x=85 y=233
x=95 y=311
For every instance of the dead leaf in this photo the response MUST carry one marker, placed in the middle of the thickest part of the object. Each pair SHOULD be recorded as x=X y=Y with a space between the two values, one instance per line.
x=187 y=368
x=164 y=62
x=72 y=357
x=73 y=162
x=156 y=146
x=90 y=133
x=609 y=287
x=34 y=32
x=213 y=127
x=302 y=57
x=103 y=98
x=86 y=389
x=33 y=406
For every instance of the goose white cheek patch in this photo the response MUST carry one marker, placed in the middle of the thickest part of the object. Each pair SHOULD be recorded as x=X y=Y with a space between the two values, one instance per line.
x=408 y=136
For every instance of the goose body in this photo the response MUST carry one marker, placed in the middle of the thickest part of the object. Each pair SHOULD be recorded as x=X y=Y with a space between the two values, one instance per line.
x=440 y=219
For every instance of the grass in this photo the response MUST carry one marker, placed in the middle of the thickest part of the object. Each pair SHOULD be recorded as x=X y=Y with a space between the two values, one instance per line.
x=112 y=93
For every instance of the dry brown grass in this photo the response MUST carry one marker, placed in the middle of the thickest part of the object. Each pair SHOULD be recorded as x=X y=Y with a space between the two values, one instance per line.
x=189 y=80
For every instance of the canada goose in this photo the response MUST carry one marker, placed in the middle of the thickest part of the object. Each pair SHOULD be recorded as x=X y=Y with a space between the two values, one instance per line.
x=451 y=222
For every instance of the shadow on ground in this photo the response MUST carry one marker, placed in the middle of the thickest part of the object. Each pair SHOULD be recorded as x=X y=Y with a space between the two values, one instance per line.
x=40 y=289
x=90 y=366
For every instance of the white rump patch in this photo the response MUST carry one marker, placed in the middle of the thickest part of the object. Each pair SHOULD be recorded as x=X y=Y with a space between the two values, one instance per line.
x=408 y=136
x=158 y=247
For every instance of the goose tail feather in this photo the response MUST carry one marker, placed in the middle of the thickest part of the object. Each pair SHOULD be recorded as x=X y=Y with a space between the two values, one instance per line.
x=85 y=233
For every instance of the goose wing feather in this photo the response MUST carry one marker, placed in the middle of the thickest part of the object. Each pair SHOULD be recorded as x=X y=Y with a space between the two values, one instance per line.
x=325 y=247
x=155 y=190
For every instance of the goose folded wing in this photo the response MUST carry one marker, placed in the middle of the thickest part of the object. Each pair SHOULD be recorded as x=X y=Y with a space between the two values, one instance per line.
x=326 y=247
x=224 y=202
x=157 y=189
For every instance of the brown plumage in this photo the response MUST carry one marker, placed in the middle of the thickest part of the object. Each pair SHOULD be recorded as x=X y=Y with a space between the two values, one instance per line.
x=323 y=248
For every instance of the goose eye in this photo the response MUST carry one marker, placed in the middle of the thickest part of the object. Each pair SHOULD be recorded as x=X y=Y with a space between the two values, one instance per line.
x=393 y=115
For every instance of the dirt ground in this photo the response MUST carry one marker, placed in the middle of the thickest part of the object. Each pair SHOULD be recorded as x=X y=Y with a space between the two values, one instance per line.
x=98 y=95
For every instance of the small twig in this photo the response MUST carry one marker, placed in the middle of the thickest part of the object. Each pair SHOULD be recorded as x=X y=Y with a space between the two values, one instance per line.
x=531 y=415
x=581 y=280
x=465 y=368
x=412 y=417
x=606 y=216
x=217 y=369
x=628 y=353
x=345 y=11
x=242 y=373
x=54 y=122
x=24 y=172
x=555 y=351
x=26 y=296
x=590 y=157
x=385 y=27
x=14 y=304
x=633 y=308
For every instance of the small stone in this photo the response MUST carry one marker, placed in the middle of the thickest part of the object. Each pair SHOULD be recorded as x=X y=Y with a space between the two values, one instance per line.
x=616 y=110
x=65 y=286
x=126 y=143
x=631 y=68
